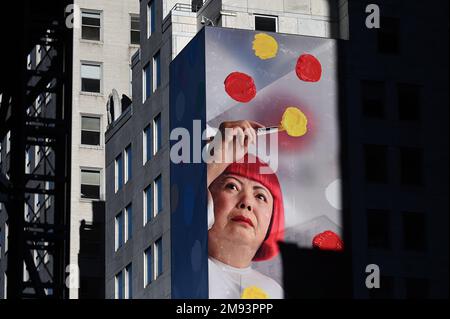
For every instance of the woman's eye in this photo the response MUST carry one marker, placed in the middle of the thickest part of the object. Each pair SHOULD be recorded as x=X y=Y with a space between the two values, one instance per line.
x=261 y=197
x=231 y=186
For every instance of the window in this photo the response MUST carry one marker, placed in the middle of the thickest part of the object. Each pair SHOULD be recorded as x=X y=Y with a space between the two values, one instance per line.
x=409 y=100
x=120 y=286
x=90 y=184
x=128 y=163
x=266 y=23
x=411 y=164
x=128 y=222
x=90 y=25
x=414 y=231
x=146 y=82
x=156 y=71
x=90 y=77
x=119 y=172
x=120 y=239
x=389 y=36
x=148 y=144
x=1 y=243
x=151 y=18
x=157 y=138
x=148 y=267
x=378 y=229
x=373 y=99
x=376 y=165
x=148 y=205
x=158 y=258
x=129 y=282
x=134 y=29
x=158 y=195
x=90 y=130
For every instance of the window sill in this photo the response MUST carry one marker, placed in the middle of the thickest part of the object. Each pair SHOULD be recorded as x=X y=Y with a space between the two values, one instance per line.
x=89 y=200
x=91 y=41
x=92 y=147
x=91 y=94
x=134 y=46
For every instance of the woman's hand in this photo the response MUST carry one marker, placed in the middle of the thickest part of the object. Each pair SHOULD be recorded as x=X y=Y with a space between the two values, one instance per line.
x=230 y=145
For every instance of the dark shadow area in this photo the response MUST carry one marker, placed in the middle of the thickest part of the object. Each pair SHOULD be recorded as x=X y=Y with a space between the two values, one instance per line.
x=91 y=258
x=314 y=274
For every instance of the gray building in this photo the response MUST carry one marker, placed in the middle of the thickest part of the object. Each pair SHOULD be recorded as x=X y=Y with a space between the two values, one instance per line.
x=393 y=133
x=105 y=36
x=138 y=249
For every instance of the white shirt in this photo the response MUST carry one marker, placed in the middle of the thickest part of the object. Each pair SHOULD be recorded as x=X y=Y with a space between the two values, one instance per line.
x=227 y=282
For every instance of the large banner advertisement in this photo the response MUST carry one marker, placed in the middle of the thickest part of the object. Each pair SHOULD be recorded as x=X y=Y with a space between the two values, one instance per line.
x=270 y=146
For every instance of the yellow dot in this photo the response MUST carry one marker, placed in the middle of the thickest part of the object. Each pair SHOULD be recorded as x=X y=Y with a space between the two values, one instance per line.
x=294 y=122
x=265 y=46
x=254 y=292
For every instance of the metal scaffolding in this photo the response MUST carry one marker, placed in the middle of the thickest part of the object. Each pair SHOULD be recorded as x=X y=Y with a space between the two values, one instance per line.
x=35 y=112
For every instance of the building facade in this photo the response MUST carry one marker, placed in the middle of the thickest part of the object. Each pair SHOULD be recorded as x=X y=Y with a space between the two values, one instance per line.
x=106 y=35
x=138 y=248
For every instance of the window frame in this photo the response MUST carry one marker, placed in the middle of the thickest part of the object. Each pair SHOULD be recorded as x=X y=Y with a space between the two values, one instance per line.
x=100 y=27
x=96 y=64
x=96 y=170
x=96 y=116
x=134 y=16
x=258 y=15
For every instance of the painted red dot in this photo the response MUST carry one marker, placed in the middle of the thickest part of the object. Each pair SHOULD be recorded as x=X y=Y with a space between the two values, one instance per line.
x=240 y=87
x=308 y=68
x=328 y=240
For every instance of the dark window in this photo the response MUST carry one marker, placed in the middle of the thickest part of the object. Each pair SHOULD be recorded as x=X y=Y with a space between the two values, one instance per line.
x=151 y=18
x=148 y=144
x=157 y=134
x=265 y=23
x=389 y=36
x=411 y=164
x=129 y=221
x=378 y=229
x=159 y=258
x=90 y=130
x=90 y=78
x=129 y=273
x=135 y=32
x=120 y=286
x=148 y=204
x=414 y=231
x=148 y=271
x=409 y=102
x=417 y=288
x=128 y=163
x=119 y=230
x=158 y=195
x=372 y=99
x=147 y=81
x=119 y=172
x=376 y=163
x=90 y=25
x=90 y=184
x=156 y=71
x=386 y=290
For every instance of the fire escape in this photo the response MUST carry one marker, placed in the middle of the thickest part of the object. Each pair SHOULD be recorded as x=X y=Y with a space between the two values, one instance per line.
x=38 y=251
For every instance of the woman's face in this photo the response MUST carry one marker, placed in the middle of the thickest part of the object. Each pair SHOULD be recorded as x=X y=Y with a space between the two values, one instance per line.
x=242 y=210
